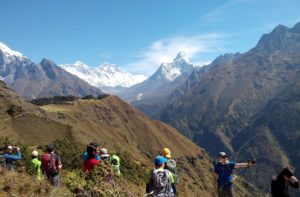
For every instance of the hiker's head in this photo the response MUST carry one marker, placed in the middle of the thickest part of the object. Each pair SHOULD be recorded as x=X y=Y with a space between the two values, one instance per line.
x=286 y=173
x=91 y=150
x=104 y=153
x=160 y=161
x=9 y=149
x=223 y=157
x=50 y=148
x=34 y=154
x=166 y=153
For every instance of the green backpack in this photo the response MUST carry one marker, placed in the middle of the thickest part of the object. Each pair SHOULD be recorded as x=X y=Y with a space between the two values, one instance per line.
x=171 y=165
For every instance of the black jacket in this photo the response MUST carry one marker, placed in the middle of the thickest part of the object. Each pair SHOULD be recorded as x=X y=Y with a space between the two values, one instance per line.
x=280 y=187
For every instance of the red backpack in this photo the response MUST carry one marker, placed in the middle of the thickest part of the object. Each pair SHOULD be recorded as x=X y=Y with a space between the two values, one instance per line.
x=50 y=164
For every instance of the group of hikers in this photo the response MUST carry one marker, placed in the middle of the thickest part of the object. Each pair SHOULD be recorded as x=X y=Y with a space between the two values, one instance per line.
x=49 y=163
x=161 y=181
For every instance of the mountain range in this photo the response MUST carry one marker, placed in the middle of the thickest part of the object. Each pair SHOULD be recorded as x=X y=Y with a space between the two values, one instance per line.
x=246 y=104
x=45 y=79
x=107 y=77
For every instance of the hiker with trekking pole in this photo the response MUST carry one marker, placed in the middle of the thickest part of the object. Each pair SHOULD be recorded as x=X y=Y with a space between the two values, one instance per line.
x=223 y=174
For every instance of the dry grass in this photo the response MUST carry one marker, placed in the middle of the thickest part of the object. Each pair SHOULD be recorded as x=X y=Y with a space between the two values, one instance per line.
x=22 y=185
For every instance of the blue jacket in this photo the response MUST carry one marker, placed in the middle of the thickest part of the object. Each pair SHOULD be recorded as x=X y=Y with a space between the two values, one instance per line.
x=85 y=156
x=9 y=158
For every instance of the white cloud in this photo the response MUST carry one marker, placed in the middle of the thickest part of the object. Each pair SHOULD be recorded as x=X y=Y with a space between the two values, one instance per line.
x=165 y=50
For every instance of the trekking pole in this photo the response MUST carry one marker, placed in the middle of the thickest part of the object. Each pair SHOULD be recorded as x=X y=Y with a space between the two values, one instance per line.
x=148 y=194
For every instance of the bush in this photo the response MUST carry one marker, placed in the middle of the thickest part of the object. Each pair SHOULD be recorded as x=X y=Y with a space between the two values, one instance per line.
x=131 y=169
x=102 y=96
x=69 y=152
x=88 y=97
x=53 y=100
x=100 y=182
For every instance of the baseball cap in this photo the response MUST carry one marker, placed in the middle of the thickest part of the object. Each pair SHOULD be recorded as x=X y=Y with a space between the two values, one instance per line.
x=166 y=153
x=160 y=160
x=222 y=154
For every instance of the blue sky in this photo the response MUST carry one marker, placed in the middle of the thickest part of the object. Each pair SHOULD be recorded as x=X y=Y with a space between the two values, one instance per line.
x=138 y=35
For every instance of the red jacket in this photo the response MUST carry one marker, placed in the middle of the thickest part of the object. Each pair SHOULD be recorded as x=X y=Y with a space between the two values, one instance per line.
x=90 y=164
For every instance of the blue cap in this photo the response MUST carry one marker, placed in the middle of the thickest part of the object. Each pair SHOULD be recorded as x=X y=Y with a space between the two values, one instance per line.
x=160 y=160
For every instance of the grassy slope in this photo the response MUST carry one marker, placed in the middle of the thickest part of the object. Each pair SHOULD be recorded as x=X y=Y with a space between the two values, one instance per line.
x=114 y=124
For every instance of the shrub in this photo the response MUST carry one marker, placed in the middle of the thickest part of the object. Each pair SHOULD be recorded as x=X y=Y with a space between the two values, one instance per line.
x=100 y=182
x=88 y=97
x=69 y=152
x=53 y=100
x=131 y=169
x=102 y=96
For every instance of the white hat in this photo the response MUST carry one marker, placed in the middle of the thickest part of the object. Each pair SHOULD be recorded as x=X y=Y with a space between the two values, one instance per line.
x=103 y=152
x=9 y=147
x=35 y=153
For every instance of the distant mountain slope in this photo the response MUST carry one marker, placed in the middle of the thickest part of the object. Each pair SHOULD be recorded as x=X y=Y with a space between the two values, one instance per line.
x=232 y=106
x=107 y=77
x=113 y=123
x=45 y=79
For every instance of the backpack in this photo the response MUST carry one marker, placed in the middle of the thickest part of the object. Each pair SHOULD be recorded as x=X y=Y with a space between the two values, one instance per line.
x=50 y=166
x=160 y=183
x=171 y=165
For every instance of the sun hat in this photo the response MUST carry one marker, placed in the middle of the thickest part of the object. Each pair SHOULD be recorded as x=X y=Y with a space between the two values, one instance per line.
x=160 y=160
x=166 y=153
x=35 y=153
x=103 y=152
x=9 y=147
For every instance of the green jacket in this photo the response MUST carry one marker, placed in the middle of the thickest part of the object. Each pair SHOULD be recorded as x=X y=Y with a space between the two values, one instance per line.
x=35 y=168
x=115 y=162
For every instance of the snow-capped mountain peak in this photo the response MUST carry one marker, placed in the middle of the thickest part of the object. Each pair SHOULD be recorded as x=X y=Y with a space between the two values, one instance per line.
x=7 y=51
x=108 y=67
x=105 y=75
x=170 y=71
x=181 y=57
x=80 y=64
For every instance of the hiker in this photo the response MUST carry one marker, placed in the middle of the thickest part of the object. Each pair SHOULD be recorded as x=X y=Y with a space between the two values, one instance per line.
x=91 y=161
x=85 y=154
x=223 y=178
x=34 y=166
x=161 y=181
x=280 y=184
x=115 y=162
x=171 y=164
x=105 y=157
x=51 y=165
x=10 y=155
